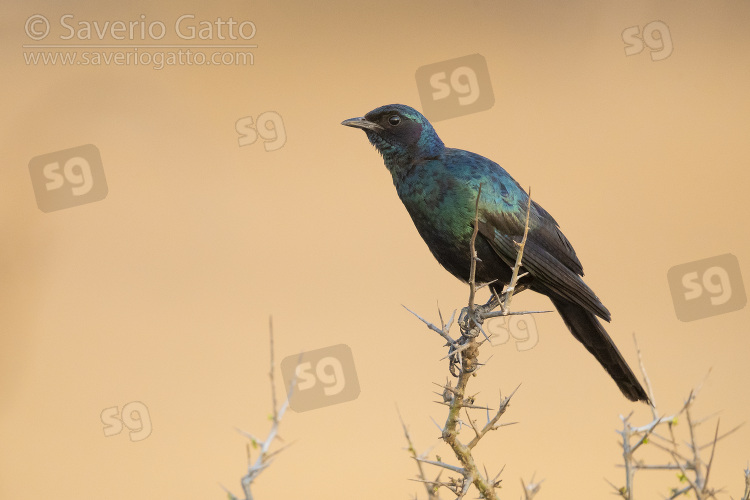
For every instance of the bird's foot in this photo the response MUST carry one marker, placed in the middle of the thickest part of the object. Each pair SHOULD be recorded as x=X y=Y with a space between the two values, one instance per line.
x=468 y=321
x=477 y=316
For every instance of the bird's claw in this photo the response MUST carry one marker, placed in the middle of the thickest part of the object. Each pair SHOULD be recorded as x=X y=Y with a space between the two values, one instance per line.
x=470 y=321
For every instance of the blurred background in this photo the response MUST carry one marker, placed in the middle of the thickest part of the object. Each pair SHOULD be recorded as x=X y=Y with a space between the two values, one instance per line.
x=134 y=314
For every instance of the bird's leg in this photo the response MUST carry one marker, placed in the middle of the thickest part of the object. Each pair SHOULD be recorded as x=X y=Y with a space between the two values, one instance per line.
x=492 y=304
x=478 y=315
x=489 y=306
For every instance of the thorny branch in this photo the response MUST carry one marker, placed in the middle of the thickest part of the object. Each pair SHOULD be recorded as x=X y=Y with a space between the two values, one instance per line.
x=265 y=457
x=463 y=364
x=430 y=486
x=692 y=468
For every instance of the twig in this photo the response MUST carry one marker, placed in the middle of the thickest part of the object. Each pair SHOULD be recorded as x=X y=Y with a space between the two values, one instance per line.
x=713 y=449
x=491 y=424
x=430 y=486
x=514 y=277
x=530 y=490
x=649 y=389
x=271 y=370
x=266 y=456
x=442 y=331
x=473 y=251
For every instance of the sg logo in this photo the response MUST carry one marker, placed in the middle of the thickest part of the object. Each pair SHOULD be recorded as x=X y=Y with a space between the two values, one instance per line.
x=274 y=136
x=707 y=287
x=661 y=46
x=324 y=377
x=67 y=178
x=521 y=327
x=135 y=417
x=455 y=87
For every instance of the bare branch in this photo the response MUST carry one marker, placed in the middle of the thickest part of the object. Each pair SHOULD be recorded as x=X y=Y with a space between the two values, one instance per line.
x=693 y=486
x=510 y=289
x=442 y=464
x=473 y=251
x=713 y=449
x=647 y=381
x=271 y=370
x=491 y=425
x=443 y=332
x=265 y=455
x=430 y=486
x=690 y=464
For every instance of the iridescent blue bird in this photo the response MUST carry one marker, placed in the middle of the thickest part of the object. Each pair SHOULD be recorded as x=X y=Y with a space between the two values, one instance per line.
x=439 y=186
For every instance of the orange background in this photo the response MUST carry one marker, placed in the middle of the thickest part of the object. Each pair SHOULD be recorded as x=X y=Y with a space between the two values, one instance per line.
x=161 y=292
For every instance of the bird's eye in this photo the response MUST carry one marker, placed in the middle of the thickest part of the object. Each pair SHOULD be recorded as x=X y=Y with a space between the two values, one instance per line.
x=394 y=120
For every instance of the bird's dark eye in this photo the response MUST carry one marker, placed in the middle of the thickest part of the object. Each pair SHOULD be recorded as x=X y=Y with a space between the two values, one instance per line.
x=394 y=120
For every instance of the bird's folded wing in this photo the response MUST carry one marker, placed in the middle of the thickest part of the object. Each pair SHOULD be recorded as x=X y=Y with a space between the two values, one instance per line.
x=548 y=257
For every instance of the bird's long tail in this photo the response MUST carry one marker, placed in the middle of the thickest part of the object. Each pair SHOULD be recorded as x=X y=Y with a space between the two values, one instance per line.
x=586 y=328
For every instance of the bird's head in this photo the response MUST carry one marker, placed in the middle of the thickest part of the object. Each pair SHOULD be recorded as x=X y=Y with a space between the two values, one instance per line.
x=400 y=133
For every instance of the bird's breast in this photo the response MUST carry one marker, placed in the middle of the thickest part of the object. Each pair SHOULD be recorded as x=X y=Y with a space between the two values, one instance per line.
x=442 y=208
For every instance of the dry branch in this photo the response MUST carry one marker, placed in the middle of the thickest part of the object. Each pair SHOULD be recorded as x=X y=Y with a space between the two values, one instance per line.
x=265 y=456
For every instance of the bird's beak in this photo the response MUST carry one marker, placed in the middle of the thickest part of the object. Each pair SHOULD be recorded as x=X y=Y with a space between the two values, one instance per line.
x=362 y=123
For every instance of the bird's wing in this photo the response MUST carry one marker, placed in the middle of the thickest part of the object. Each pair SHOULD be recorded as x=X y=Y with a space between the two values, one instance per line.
x=548 y=255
